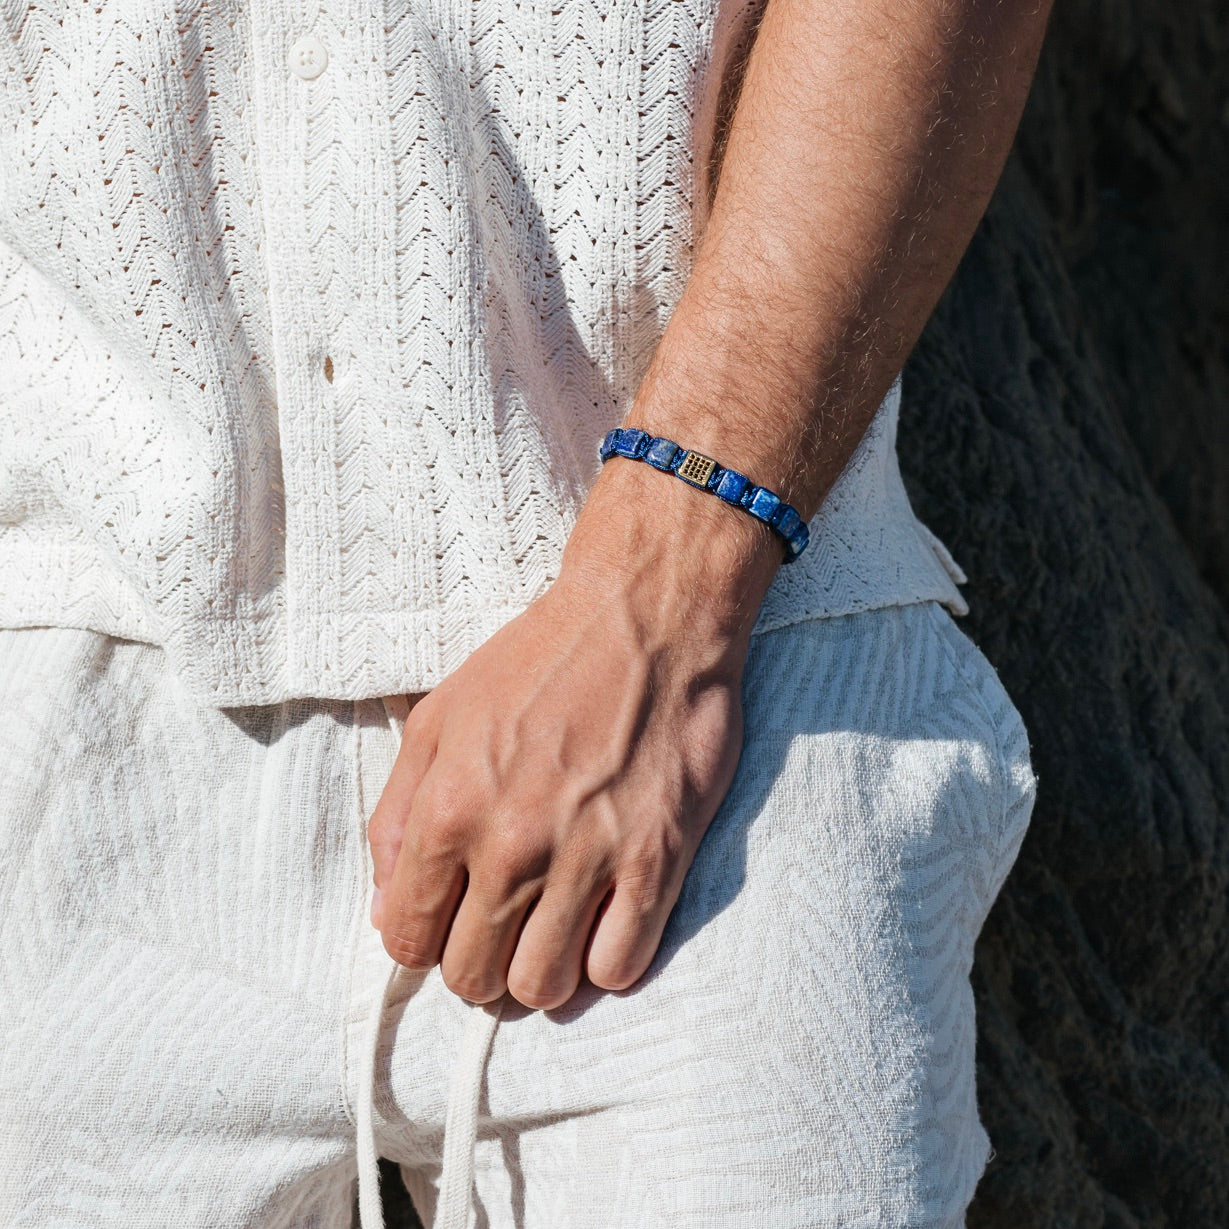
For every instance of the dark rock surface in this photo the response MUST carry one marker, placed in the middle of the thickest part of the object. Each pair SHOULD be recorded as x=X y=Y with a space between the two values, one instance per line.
x=1066 y=432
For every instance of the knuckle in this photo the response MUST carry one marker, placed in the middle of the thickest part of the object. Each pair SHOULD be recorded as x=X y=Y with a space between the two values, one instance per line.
x=472 y=987
x=622 y=959
x=410 y=949
x=617 y=972
x=418 y=722
x=651 y=851
x=383 y=826
x=641 y=887
x=539 y=993
x=448 y=792
x=514 y=862
x=442 y=820
x=514 y=856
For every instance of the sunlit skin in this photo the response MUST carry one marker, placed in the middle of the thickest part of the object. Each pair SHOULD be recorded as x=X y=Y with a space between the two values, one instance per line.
x=549 y=796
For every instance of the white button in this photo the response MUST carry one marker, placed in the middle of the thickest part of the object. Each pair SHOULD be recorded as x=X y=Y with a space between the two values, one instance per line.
x=308 y=57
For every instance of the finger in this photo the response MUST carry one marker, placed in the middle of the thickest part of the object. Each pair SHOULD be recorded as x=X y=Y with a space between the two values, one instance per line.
x=386 y=826
x=628 y=932
x=549 y=959
x=484 y=936
x=414 y=923
x=421 y=899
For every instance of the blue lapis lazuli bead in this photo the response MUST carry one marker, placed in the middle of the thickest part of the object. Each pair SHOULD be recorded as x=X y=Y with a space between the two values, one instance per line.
x=632 y=442
x=606 y=450
x=660 y=453
x=731 y=485
x=764 y=504
x=797 y=541
x=787 y=521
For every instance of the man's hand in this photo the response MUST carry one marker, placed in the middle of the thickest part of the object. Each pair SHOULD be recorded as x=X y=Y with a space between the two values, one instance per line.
x=550 y=795
x=567 y=771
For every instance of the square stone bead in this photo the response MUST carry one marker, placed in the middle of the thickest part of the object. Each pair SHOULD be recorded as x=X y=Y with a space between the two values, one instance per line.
x=632 y=442
x=787 y=521
x=607 y=448
x=731 y=485
x=660 y=453
x=764 y=505
x=796 y=543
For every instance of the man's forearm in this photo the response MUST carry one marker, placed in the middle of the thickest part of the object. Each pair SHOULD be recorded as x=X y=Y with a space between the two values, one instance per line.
x=867 y=140
x=550 y=794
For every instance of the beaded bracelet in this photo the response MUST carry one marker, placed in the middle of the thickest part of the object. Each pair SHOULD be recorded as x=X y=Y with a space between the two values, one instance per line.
x=703 y=472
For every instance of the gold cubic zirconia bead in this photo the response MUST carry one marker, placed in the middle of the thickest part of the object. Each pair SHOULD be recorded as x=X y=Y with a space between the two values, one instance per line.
x=696 y=468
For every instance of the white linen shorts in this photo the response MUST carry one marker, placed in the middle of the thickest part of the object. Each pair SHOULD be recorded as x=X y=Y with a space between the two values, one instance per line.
x=189 y=977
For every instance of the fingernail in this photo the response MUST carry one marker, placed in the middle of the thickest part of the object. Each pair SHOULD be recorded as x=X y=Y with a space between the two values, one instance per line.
x=375 y=908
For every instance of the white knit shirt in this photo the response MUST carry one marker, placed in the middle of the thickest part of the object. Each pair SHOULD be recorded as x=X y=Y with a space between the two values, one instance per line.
x=312 y=316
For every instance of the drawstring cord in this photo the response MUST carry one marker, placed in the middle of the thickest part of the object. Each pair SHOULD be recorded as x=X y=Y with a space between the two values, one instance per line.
x=465 y=1091
x=370 y=1208
x=461 y=1122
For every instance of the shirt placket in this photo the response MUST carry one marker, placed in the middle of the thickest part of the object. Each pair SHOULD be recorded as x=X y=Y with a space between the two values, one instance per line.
x=323 y=169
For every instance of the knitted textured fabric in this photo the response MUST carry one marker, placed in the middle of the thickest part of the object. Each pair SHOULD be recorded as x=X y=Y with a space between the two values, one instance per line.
x=191 y=1031
x=312 y=317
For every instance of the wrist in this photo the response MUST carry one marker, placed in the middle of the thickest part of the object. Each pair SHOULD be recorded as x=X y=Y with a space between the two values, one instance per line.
x=712 y=388
x=693 y=558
